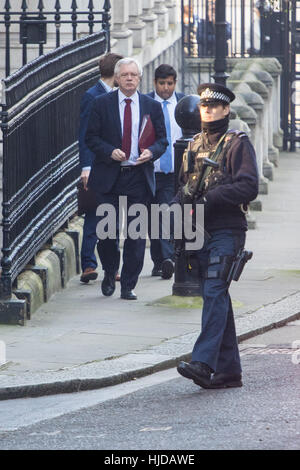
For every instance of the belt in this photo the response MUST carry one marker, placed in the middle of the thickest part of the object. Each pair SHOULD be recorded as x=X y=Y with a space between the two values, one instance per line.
x=130 y=167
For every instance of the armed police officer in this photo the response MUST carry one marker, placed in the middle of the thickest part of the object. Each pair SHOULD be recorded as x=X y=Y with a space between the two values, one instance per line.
x=219 y=171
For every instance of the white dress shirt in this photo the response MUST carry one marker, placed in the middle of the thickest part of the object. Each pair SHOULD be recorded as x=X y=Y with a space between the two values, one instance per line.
x=135 y=112
x=106 y=87
x=176 y=131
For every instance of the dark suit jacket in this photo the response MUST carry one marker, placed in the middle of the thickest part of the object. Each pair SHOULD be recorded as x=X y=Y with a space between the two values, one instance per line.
x=86 y=157
x=104 y=135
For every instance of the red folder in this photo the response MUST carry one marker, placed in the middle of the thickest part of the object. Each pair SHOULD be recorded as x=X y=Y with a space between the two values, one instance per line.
x=147 y=133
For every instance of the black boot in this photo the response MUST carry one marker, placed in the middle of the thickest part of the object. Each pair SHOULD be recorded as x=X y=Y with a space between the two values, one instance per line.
x=197 y=371
x=108 y=284
x=167 y=268
x=222 y=380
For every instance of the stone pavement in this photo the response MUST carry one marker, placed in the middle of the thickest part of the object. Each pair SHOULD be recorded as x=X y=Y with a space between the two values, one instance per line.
x=81 y=340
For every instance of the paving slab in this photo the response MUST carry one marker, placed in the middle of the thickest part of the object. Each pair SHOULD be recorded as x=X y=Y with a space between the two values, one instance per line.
x=80 y=339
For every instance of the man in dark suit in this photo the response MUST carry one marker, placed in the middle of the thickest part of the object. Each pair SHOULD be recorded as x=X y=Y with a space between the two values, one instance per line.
x=121 y=167
x=161 y=250
x=105 y=84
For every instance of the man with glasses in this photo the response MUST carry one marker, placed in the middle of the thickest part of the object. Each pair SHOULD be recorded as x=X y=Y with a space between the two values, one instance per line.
x=122 y=167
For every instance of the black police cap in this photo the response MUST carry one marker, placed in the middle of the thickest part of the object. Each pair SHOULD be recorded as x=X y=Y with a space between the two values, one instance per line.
x=215 y=93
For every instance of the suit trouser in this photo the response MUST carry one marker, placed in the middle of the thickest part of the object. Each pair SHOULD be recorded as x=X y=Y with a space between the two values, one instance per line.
x=132 y=184
x=89 y=241
x=217 y=344
x=161 y=249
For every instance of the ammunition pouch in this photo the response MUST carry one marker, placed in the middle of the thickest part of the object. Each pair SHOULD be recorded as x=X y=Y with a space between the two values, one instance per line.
x=225 y=265
x=189 y=190
x=231 y=267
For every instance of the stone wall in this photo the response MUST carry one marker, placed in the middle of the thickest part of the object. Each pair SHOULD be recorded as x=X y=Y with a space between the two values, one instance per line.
x=256 y=109
x=256 y=83
x=142 y=28
x=150 y=31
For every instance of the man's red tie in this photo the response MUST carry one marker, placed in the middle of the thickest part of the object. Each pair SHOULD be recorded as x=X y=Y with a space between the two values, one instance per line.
x=127 y=125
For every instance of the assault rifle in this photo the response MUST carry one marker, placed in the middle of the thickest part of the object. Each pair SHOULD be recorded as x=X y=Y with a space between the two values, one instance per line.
x=189 y=192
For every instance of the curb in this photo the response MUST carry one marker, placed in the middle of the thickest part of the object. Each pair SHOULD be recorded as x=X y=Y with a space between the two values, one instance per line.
x=100 y=374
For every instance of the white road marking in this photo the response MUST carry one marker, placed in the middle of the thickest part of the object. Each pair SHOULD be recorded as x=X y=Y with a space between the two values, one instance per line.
x=151 y=429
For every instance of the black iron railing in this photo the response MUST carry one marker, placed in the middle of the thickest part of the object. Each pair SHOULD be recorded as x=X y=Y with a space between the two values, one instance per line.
x=40 y=115
x=32 y=26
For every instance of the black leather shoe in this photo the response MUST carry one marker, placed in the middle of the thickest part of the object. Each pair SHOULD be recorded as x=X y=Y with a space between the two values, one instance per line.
x=108 y=284
x=197 y=371
x=221 y=380
x=128 y=295
x=156 y=271
x=167 y=269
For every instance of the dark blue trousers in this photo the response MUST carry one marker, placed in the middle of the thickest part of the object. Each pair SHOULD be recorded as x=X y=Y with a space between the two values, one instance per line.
x=161 y=249
x=89 y=241
x=217 y=344
x=130 y=183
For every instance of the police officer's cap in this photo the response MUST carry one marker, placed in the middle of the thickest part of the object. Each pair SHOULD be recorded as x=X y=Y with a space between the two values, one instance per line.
x=215 y=93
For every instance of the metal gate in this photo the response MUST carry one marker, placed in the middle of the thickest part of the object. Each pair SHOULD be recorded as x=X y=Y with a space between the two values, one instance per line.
x=265 y=28
x=294 y=77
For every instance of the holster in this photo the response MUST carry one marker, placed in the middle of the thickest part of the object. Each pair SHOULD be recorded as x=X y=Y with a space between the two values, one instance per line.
x=231 y=267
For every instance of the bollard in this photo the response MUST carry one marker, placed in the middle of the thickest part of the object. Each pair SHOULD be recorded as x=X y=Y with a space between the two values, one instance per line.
x=186 y=272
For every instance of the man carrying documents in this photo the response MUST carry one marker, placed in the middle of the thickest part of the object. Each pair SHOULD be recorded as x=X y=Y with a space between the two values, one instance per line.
x=123 y=165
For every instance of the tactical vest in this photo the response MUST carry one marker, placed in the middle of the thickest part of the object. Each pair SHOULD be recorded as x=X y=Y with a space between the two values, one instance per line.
x=199 y=180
